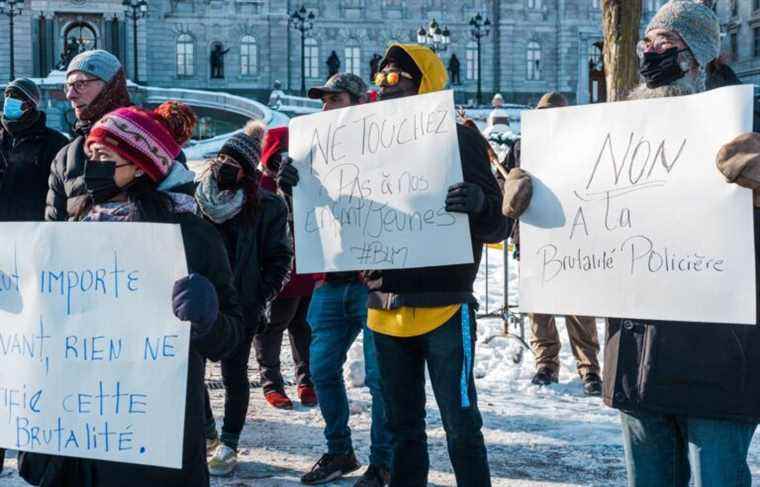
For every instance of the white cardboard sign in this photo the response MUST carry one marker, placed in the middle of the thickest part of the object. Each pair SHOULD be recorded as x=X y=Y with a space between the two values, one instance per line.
x=373 y=182
x=94 y=363
x=631 y=218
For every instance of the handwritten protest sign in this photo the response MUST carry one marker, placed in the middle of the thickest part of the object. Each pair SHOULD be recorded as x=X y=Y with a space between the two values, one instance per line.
x=94 y=363
x=631 y=218
x=373 y=186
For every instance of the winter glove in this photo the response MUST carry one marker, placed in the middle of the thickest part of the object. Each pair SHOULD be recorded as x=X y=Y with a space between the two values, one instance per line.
x=518 y=190
x=194 y=299
x=739 y=160
x=465 y=198
x=287 y=176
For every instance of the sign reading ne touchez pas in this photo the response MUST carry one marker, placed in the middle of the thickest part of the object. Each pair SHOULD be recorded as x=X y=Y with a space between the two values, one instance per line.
x=631 y=218
x=373 y=186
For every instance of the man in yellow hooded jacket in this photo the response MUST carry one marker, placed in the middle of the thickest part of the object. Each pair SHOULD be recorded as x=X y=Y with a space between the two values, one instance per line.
x=427 y=315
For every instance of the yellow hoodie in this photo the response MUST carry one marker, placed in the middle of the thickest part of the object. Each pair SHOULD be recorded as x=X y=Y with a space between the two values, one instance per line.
x=406 y=321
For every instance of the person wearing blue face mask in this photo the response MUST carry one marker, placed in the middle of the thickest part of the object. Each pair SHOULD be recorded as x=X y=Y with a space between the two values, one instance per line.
x=27 y=146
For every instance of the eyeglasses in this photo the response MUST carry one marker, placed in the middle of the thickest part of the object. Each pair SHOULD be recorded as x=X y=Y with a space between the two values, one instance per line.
x=658 y=44
x=391 y=78
x=78 y=85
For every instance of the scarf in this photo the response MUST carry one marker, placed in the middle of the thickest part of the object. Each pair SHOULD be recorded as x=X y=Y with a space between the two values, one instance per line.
x=113 y=96
x=126 y=211
x=218 y=206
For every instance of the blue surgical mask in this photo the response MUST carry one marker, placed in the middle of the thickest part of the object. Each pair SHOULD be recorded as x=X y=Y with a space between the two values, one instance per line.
x=12 y=109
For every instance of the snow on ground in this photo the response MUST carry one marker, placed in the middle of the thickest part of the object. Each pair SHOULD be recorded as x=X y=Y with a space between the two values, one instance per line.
x=552 y=436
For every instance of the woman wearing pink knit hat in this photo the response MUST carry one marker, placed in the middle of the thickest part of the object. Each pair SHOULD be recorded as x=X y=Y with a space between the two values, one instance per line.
x=129 y=175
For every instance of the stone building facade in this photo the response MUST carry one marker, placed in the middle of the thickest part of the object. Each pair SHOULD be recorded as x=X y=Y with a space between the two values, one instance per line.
x=740 y=25
x=534 y=45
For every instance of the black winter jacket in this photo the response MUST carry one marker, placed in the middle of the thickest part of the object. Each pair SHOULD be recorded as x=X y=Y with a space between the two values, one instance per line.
x=207 y=256
x=261 y=255
x=445 y=285
x=704 y=370
x=25 y=159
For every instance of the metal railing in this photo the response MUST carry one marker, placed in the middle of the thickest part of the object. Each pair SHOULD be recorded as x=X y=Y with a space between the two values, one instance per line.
x=297 y=104
x=207 y=99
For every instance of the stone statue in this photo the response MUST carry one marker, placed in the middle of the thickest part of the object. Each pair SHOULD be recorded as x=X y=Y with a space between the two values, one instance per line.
x=374 y=64
x=70 y=50
x=333 y=64
x=454 y=70
x=217 y=61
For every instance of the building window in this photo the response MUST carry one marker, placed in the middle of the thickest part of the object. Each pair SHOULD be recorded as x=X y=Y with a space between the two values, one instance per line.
x=595 y=56
x=534 y=61
x=595 y=4
x=651 y=6
x=471 y=60
x=734 y=46
x=311 y=55
x=353 y=60
x=185 y=55
x=535 y=4
x=393 y=3
x=734 y=8
x=248 y=56
x=755 y=4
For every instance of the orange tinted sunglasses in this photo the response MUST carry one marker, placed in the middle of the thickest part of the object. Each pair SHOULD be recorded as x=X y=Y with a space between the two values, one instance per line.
x=391 y=78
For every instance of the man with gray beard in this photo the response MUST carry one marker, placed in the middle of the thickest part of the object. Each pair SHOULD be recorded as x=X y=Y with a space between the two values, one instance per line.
x=688 y=393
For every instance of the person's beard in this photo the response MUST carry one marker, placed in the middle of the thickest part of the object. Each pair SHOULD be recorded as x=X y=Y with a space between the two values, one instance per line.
x=680 y=87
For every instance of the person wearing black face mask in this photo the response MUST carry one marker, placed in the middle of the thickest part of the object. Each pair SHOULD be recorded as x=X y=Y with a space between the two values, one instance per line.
x=27 y=148
x=254 y=225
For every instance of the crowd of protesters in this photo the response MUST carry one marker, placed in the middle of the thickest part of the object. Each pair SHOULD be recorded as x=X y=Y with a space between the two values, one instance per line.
x=687 y=412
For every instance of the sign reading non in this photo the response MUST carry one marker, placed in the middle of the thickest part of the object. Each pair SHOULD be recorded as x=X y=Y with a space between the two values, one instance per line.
x=373 y=186
x=94 y=361
x=631 y=218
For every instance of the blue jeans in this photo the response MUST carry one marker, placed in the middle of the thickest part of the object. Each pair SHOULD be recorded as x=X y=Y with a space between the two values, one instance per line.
x=337 y=314
x=665 y=451
x=448 y=352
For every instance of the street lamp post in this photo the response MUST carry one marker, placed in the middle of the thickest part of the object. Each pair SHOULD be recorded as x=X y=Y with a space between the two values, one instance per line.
x=434 y=38
x=479 y=28
x=303 y=22
x=11 y=9
x=135 y=10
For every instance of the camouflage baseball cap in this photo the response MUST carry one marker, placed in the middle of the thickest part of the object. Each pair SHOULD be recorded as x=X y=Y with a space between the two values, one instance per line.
x=337 y=83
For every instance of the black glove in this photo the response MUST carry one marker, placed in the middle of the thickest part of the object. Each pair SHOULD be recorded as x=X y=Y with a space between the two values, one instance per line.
x=287 y=176
x=465 y=198
x=194 y=299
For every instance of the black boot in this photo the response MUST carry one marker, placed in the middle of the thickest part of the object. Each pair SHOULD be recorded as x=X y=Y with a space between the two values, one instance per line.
x=592 y=384
x=545 y=376
x=331 y=467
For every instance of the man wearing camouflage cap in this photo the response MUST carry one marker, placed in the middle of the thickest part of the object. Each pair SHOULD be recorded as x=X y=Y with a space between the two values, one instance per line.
x=341 y=90
x=337 y=313
x=688 y=393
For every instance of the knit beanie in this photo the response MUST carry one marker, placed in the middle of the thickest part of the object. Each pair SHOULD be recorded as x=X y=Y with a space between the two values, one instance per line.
x=148 y=139
x=695 y=22
x=27 y=88
x=245 y=146
x=275 y=141
x=97 y=62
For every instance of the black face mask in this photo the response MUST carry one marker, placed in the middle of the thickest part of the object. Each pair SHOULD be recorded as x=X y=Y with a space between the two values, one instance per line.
x=661 y=69
x=99 y=180
x=226 y=177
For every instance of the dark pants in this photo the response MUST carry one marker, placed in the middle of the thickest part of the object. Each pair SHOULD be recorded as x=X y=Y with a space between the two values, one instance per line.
x=448 y=351
x=664 y=450
x=237 y=392
x=286 y=314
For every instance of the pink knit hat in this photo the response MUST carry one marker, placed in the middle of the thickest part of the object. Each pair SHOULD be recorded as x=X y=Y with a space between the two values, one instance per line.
x=147 y=139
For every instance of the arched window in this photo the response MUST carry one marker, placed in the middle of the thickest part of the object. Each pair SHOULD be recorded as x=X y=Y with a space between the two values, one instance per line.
x=80 y=37
x=471 y=60
x=353 y=60
x=535 y=4
x=311 y=56
x=534 y=61
x=248 y=56
x=185 y=55
x=595 y=55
